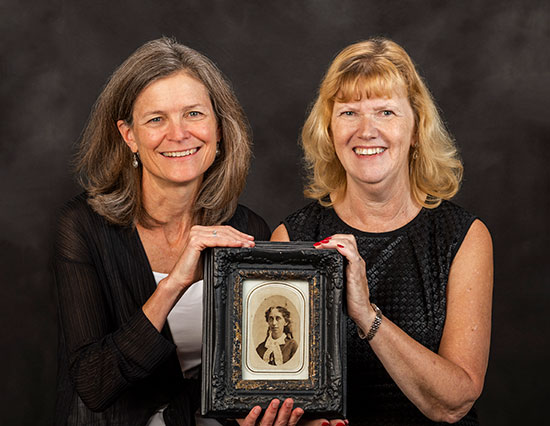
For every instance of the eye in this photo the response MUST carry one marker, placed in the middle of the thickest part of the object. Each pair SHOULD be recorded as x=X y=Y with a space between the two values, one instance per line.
x=195 y=114
x=155 y=120
x=387 y=113
x=347 y=113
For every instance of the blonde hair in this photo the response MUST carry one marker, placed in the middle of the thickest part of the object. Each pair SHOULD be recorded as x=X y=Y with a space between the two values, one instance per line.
x=104 y=161
x=379 y=67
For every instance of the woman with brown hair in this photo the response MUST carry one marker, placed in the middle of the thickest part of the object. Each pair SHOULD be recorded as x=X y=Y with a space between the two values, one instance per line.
x=163 y=160
x=419 y=269
x=279 y=345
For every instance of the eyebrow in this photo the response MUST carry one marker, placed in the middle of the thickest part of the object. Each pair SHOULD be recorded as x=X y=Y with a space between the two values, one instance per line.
x=156 y=112
x=380 y=104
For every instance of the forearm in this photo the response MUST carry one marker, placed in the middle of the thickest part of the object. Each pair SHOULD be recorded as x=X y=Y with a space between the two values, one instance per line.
x=161 y=302
x=440 y=388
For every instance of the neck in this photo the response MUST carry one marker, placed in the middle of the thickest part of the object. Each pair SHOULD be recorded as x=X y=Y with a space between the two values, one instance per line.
x=371 y=208
x=172 y=205
x=276 y=337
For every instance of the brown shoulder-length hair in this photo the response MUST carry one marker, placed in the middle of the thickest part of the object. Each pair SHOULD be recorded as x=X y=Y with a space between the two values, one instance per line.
x=379 y=67
x=104 y=161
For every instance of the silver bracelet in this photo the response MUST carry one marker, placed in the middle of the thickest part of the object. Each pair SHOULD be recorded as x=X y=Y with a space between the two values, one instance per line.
x=374 y=327
x=375 y=324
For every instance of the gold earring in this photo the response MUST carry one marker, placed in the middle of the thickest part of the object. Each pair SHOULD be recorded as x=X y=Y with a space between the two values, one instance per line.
x=415 y=153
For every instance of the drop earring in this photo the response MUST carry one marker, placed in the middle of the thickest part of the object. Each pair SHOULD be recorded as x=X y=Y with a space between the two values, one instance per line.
x=218 y=152
x=135 y=160
x=415 y=153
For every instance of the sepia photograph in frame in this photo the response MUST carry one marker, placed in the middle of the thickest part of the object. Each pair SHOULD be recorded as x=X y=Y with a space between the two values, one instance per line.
x=273 y=327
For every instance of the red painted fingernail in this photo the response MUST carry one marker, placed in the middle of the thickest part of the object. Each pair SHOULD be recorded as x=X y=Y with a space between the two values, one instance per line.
x=325 y=241
x=340 y=424
x=316 y=244
x=325 y=424
x=341 y=246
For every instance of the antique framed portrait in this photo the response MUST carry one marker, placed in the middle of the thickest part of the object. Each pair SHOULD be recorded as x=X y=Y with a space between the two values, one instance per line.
x=273 y=327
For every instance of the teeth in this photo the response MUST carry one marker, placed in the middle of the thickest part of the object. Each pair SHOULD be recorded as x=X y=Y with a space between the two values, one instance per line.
x=368 y=151
x=180 y=153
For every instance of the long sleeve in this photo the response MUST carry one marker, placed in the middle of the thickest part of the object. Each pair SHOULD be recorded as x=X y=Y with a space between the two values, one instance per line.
x=108 y=346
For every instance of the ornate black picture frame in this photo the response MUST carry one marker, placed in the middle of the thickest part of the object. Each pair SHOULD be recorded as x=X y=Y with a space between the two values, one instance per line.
x=273 y=328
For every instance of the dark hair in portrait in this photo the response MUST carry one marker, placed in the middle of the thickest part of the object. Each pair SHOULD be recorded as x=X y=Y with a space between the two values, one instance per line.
x=279 y=345
x=286 y=315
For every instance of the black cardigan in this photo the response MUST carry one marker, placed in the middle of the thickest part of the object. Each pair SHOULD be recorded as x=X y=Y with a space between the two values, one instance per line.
x=114 y=367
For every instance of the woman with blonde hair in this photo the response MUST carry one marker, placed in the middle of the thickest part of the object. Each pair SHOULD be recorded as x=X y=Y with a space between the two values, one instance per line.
x=163 y=160
x=419 y=272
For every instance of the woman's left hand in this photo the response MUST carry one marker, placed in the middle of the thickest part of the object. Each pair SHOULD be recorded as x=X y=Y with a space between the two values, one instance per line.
x=357 y=289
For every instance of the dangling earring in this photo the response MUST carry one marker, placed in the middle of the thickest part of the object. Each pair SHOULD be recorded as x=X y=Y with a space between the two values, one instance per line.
x=218 y=152
x=135 y=161
x=415 y=153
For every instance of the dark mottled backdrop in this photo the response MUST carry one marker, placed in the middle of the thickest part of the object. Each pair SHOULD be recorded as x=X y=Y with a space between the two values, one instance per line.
x=487 y=63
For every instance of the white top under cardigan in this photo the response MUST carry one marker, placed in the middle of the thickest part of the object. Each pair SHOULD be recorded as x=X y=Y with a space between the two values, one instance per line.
x=185 y=322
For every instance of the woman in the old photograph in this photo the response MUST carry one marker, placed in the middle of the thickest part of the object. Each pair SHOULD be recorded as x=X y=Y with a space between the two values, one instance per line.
x=279 y=345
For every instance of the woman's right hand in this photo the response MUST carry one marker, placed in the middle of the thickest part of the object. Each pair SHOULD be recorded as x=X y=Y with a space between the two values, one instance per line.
x=188 y=268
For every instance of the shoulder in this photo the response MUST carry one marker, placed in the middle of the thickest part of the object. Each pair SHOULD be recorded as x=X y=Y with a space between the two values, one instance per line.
x=75 y=222
x=303 y=223
x=478 y=235
x=291 y=343
x=451 y=214
x=452 y=222
x=301 y=215
x=76 y=204
x=76 y=213
x=246 y=220
x=78 y=225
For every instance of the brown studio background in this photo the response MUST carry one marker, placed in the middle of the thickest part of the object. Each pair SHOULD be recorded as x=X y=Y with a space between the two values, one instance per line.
x=486 y=62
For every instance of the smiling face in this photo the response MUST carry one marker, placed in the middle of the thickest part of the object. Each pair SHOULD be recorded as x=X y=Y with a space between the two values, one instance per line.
x=372 y=138
x=276 y=322
x=174 y=129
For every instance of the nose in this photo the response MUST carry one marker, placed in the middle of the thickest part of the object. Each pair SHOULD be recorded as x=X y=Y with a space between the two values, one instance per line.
x=367 y=127
x=177 y=131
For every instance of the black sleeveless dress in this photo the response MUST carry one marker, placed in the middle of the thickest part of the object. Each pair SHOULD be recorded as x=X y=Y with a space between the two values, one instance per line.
x=407 y=272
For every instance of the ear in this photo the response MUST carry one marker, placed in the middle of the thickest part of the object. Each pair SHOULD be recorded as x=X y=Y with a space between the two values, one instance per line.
x=127 y=134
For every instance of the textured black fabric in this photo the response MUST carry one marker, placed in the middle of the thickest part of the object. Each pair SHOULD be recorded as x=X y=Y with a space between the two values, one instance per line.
x=407 y=272
x=114 y=368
